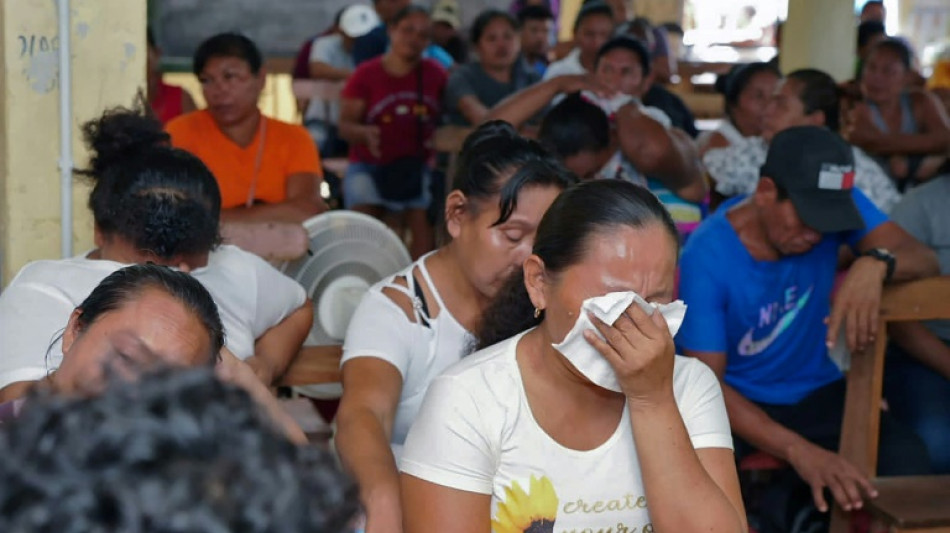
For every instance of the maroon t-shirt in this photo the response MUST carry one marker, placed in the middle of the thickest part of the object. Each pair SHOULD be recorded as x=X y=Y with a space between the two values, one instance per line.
x=392 y=104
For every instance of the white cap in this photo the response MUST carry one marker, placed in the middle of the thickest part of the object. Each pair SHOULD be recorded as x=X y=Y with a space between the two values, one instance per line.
x=358 y=20
x=447 y=11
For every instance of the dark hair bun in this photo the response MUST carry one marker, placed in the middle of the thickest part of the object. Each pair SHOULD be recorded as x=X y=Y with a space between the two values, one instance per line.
x=117 y=133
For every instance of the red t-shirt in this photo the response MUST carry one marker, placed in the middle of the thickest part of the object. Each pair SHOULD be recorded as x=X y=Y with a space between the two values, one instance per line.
x=167 y=104
x=392 y=104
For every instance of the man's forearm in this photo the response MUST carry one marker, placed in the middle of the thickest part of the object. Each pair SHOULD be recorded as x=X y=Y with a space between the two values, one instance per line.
x=914 y=261
x=521 y=106
x=903 y=144
x=920 y=343
x=754 y=426
x=294 y=211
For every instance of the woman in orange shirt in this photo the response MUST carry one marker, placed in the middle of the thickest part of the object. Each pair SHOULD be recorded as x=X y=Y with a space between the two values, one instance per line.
x=267 y=170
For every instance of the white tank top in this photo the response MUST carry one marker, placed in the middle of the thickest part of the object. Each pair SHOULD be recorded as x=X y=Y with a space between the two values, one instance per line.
x=420 y=350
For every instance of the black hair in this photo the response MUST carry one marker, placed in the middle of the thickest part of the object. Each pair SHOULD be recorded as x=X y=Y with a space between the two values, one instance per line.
x=161 y=199
x=338 y=16
x=732 y=84
x=672 y=27
x=897 y=47
x=495 y=149
x=867 y=30
x=871 y=3
x=411 y=9
x=229 y=44
x=631 y=44
x=819 y=92
x=176 y=451
x=573 y=126
x=591 y=9
x=150 y=37
x=127 y=284
x=578 y=214
x=488 y=16
x=640 y=25
x=534 y=12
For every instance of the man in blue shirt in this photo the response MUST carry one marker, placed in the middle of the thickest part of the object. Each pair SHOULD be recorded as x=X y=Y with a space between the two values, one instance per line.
x=757 y=277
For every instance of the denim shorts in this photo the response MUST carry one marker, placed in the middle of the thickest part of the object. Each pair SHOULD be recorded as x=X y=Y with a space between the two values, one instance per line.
x=360 y=189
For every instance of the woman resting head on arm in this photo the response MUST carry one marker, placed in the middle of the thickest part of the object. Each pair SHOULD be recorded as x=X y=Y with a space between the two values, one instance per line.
x=145 y=316
x=518 y=438
x=413 y=325
x=137 y=317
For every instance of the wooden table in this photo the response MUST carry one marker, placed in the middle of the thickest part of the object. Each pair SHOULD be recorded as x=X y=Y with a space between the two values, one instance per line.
x=314 y=365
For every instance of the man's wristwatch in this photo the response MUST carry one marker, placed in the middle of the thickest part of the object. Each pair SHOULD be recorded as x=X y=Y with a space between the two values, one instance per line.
x=883 y=254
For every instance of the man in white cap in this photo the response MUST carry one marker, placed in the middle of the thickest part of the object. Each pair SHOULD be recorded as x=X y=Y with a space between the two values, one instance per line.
x=331 y=59
x=446 y=23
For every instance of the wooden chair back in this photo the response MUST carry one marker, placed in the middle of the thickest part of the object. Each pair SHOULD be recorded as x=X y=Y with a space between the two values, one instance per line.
x=925 y=299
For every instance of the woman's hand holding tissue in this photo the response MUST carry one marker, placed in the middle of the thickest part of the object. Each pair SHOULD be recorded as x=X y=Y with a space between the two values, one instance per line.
x=640 y=349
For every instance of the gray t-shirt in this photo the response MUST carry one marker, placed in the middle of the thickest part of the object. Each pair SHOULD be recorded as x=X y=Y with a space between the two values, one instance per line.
x=924 y=214
x=471 y=80
x=328 y=49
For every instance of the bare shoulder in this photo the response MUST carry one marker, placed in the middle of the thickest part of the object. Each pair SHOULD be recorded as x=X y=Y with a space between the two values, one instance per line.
x=711 y=141
x=401 y=297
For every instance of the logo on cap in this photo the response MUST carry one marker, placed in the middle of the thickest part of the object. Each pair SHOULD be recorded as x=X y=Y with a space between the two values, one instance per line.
x=835 y=177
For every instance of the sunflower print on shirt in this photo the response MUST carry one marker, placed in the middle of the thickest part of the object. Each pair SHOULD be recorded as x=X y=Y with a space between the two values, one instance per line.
x=531 y=512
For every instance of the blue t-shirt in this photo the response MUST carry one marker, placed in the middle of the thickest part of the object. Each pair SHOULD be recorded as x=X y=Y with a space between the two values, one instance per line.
x=767 y=316
x=371 y=45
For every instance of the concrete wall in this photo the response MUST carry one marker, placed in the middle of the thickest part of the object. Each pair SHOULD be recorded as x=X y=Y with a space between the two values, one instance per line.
x=108 y=66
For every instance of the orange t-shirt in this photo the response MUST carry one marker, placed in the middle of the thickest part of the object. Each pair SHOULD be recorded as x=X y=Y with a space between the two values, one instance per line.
x=288 y=150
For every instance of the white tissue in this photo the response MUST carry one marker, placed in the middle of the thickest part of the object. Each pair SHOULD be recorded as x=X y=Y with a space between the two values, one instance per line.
x=610 y=105
x=608 y=308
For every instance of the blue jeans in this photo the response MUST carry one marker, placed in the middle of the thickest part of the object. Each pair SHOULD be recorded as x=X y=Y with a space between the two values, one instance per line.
x=360 y=189
x=920 y=398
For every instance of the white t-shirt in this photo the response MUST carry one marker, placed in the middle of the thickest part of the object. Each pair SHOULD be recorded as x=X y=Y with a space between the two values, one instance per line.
x=569 y=64
x=420 y=350
x=475 y=432
x=328 y=49
x=252 y=297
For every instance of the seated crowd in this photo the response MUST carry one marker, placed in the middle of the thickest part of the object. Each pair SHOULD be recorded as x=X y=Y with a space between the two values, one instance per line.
x=523 y=374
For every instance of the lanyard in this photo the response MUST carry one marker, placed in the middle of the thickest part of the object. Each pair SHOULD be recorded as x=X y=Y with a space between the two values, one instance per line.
x=257 y=162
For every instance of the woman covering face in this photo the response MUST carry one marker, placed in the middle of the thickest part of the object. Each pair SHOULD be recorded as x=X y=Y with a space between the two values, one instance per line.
x=564 y=421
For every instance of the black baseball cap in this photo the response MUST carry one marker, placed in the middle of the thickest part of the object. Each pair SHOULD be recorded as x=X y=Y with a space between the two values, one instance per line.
x=815 y=166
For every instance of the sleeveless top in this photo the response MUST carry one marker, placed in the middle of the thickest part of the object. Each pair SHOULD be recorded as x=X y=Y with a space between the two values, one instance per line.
x=908 y=126
x=420 y=349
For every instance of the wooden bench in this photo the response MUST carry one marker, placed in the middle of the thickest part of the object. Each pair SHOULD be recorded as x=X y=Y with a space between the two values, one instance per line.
x=905 y=504
x=314 y=365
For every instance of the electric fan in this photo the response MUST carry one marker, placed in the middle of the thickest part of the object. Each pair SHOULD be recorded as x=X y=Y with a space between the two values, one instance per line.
x=348 y=253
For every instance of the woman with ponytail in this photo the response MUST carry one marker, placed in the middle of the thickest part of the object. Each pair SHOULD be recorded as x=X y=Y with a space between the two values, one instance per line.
x=411 y=326
x=551 y=427
x=151 y=203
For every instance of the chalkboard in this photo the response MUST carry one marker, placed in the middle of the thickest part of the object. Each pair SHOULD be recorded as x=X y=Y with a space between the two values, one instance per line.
x=279 y=27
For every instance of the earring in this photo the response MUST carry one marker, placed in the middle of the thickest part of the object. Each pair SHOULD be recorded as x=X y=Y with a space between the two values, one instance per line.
x=537 y=313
